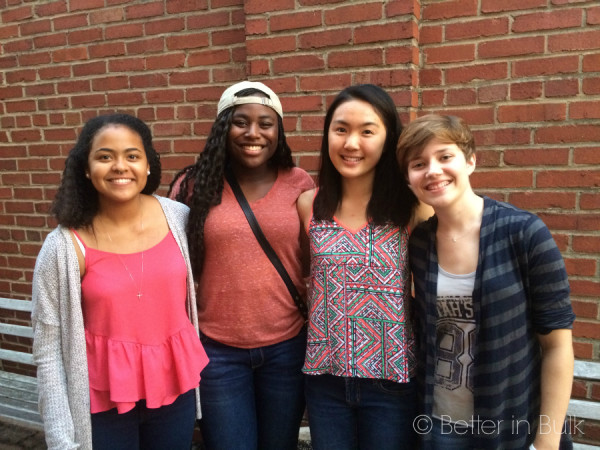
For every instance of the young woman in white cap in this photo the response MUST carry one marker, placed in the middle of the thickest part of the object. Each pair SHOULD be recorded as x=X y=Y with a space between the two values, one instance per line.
x=252 y=329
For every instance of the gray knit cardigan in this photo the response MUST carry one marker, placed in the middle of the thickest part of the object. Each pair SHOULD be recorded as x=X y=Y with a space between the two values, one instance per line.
x=59 y=349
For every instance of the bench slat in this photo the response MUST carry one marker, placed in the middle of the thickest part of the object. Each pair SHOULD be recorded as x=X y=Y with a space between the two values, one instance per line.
x=577 y=446
x=21 y=417
x=19 y=400
x=589 y=370
x=20 y=390
x=18 y=381
x=19 y=357
x=584 y=409
x=16 y=330
x=18 y=393
x=17 y=305
x=25 y=400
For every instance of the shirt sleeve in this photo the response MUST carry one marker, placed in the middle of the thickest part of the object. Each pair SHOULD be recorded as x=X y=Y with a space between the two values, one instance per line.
x=549 y=290
x=47 y=354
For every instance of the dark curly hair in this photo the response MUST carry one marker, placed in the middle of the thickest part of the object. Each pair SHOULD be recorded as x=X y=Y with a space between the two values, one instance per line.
x=391 y=200
x=76 y=202
x=200 y=186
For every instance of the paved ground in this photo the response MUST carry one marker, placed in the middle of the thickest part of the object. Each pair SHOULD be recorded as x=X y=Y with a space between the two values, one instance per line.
x=18 y=438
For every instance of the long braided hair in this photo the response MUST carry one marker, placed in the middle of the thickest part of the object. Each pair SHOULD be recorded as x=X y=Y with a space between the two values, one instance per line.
x=200 y=186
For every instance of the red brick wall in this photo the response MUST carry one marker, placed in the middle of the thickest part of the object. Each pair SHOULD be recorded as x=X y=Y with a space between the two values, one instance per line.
x=524 y=73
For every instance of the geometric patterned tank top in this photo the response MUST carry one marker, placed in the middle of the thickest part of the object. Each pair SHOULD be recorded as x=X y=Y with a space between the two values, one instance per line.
x=359 y=294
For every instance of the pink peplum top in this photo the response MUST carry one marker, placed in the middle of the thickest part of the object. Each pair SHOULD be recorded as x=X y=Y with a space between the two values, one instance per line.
x=138 y=346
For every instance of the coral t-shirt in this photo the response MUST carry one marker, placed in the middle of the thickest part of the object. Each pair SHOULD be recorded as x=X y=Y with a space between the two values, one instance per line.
x=242 y=300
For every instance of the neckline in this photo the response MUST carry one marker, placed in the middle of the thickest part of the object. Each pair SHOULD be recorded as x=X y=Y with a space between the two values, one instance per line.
x=133 y=253
x=271 y=189
x=347 y=228
x=456 y=275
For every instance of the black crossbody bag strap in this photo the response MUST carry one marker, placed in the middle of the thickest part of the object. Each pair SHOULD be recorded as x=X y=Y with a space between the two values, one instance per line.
x=262 y=240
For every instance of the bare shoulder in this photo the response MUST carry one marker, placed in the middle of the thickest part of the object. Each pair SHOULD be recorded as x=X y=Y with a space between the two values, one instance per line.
x=421 y=214
x=78 y=250
x=155 y=219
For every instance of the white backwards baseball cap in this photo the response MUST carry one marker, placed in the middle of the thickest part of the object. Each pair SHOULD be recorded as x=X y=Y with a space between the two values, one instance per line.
x=229 y=98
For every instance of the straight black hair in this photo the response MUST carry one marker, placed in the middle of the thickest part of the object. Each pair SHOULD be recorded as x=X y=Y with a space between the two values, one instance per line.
x=391 y=200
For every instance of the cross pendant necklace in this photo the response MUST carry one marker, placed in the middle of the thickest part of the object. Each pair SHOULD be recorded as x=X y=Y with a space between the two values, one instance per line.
x=139 y=294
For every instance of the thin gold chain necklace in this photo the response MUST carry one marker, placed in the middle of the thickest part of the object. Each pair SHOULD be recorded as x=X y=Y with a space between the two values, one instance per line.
x=456 y=238
x=140 y=288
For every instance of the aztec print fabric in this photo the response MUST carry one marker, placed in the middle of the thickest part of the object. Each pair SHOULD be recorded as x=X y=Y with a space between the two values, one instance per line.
x=358 y=318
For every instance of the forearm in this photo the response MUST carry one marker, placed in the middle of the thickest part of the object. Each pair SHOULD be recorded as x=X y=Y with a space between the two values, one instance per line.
x=556 y=382
x=54 y=405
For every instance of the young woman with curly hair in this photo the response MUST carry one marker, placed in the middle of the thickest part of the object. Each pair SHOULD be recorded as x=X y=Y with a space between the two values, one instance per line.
x=114 y=309
x=252 y=391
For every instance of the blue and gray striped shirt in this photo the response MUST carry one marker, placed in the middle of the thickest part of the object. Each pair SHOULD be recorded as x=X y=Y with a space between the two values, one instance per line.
x=521 y=289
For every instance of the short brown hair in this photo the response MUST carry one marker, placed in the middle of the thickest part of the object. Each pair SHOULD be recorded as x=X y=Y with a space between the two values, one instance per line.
x=419 y=132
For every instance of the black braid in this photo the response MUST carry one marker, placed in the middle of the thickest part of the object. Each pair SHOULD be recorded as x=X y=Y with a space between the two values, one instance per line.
x=207 y=179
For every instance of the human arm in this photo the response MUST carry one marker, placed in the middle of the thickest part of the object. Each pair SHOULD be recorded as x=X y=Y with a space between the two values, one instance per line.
x=552 y=319
x=556 y=382
x=175 y=187
x=304 y=207
x=47 y=350
x=53 y=400
x=183 y=179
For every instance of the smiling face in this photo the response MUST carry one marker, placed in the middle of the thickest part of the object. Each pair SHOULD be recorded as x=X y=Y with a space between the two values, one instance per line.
x=356 y=138
x=117 y=163
x=253 y=136
x=439 y=174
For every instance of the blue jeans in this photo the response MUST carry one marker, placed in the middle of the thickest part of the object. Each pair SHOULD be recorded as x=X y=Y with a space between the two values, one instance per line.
x=170 y=426
x=360 y=413
x=446 y=435
x=253 y=398
x=451 y=436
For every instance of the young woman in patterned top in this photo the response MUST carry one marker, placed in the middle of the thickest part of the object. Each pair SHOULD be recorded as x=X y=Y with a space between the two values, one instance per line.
x=359 y=357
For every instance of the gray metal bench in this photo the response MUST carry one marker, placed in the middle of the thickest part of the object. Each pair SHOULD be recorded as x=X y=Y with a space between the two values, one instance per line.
x=585 y=409
x=18 y=393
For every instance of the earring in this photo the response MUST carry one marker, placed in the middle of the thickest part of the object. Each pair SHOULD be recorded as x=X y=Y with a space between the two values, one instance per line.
x=148 y=173
x=87 y=175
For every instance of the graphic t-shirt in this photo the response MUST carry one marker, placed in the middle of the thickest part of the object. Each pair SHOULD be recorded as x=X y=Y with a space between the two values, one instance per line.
x=453 y=391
